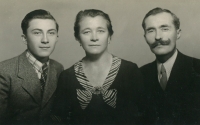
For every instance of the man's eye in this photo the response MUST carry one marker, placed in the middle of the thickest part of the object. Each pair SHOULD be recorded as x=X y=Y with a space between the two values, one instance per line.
x=86 y=32
x=165 y=29
x=150 y=31
x=52 y=33
x=36 y=33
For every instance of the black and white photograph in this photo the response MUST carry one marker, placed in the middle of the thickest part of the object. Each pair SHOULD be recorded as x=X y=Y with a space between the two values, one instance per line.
x=100 y=62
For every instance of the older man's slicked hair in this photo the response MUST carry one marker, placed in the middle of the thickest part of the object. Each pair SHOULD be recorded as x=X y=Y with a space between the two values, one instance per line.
x=160 y=10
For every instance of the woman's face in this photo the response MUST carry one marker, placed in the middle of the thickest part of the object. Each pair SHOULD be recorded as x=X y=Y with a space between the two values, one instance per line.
x=94 y=35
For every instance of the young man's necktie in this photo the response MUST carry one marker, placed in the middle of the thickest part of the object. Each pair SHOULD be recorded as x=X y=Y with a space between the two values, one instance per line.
x=44 y=76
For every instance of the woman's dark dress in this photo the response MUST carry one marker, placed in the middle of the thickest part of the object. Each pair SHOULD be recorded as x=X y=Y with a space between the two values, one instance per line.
x=118 y=101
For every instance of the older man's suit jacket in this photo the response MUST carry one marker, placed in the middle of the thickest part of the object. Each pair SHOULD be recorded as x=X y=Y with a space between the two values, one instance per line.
x=179 y=103
x=20 y=91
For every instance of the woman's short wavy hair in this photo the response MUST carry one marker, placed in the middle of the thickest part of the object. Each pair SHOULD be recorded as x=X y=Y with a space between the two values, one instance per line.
x=91 y=13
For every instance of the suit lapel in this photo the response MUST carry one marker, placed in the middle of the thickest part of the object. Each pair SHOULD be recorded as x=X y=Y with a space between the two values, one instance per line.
x=154 y=74
x=51 y=83
x=177 y=72
x=30 y=80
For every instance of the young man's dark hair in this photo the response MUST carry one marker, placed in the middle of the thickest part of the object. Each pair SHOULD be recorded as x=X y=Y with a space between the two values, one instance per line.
x=36 y=14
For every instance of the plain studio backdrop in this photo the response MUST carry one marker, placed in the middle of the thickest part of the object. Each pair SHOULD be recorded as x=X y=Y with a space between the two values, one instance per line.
x=126 y=16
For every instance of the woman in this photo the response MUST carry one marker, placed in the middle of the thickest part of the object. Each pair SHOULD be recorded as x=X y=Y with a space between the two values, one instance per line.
x=101 y=88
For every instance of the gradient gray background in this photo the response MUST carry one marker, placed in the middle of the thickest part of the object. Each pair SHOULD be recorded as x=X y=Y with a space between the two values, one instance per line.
x=126 y=16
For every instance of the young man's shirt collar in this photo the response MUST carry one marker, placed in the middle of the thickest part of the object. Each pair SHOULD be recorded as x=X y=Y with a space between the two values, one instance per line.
x=37 y=65
x=168 y=65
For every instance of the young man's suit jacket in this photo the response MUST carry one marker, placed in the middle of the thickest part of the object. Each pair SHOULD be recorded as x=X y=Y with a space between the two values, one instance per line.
x=20 y=91
x=179 y=103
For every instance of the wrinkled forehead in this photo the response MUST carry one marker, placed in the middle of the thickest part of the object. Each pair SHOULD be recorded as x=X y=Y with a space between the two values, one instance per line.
x=162 y=18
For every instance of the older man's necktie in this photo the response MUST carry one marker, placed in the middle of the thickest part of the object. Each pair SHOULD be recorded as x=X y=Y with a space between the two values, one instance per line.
x=44 y=76
x=163 y=79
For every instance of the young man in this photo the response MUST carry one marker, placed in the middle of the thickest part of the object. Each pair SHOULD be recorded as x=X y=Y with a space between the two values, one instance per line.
x=172 y=80
x=28 y=81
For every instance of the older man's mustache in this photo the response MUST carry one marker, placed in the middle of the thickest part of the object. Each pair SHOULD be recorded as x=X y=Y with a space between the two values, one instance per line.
x=160 y=42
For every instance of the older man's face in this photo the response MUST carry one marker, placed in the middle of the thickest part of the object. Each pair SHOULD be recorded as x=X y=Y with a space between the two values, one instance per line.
x=161 y=33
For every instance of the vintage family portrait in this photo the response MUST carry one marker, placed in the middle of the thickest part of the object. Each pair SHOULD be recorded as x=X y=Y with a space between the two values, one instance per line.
x=100 y=62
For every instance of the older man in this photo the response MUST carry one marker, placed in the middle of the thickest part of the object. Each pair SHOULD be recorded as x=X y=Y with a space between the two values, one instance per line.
x=172 y=80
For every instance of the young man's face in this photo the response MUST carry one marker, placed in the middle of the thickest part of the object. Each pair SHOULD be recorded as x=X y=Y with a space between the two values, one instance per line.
x=41 y=38
x=161 y=33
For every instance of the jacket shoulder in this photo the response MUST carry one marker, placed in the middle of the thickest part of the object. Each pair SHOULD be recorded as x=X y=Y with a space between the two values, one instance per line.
x=192 y=62
x=9 y=64
x=58 y=65
x=195 y=64
x=147 y=67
